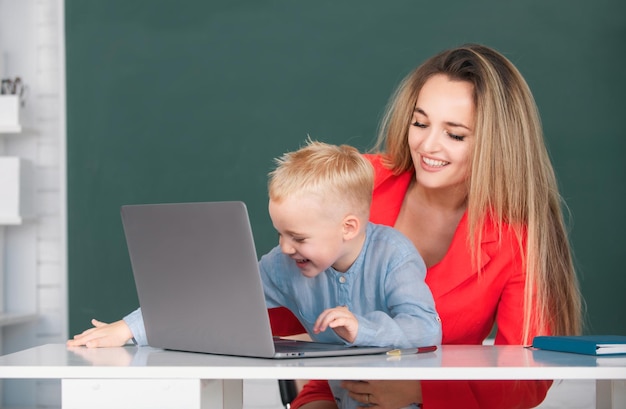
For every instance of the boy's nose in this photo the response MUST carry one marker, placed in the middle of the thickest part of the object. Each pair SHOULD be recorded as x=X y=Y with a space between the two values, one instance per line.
x=285 y=247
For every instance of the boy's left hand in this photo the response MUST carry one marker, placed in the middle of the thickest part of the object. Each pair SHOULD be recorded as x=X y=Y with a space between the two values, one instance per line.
x=341 y=320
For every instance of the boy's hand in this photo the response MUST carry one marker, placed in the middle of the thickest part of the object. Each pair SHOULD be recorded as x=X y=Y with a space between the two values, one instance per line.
x=103 y=335
x=341 y=320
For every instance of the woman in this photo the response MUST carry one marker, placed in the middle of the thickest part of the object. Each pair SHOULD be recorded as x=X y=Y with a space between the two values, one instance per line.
x=463 y=171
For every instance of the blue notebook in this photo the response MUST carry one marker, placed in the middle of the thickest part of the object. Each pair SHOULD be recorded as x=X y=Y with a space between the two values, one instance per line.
x=583 y=344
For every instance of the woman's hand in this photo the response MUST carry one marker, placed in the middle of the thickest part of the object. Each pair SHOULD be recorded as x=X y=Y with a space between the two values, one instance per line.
x=103 y=335
x=384 y=394
x=341 y=320
x=115 y=356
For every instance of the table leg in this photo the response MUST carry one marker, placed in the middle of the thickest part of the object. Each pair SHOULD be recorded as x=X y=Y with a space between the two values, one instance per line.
x=610 y=394
x=222 y=394
x=152 y=393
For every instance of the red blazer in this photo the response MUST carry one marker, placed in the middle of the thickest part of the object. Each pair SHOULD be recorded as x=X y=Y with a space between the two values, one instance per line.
x=468 y=303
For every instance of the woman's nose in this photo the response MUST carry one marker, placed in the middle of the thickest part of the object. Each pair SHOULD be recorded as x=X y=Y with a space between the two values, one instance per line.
x=430 y=143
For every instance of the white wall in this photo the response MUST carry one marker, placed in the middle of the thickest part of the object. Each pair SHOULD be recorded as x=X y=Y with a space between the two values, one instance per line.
x=33 y=260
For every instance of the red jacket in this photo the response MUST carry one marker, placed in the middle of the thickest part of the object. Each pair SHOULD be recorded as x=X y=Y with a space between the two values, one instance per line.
x=468 y=304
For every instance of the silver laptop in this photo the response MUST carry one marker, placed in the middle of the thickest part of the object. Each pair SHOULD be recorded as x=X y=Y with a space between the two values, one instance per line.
x=199 y=286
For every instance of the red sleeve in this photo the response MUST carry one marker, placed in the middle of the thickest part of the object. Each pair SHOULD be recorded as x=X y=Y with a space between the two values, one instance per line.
x=284 y=323
x=313 y=391
x=483 y=394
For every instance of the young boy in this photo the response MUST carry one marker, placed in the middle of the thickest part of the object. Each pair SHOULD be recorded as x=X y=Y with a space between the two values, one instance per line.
x=335 y=270
x=345 y=279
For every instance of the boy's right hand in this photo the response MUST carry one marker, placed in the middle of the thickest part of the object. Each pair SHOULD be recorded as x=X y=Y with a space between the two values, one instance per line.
x=341 y=320
x=103 y=335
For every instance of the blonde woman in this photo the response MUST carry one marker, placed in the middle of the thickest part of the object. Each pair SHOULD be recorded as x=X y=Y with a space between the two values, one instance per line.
x=463 y=171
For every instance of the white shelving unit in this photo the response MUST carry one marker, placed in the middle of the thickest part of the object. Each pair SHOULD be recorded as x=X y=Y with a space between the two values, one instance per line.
x=33 y=244
x=16 y=207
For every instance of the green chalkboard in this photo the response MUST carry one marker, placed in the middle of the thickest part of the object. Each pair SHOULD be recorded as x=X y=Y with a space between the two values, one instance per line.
x=174 y=101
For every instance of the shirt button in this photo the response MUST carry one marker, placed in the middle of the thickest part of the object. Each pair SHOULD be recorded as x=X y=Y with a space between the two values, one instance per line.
x=342 y=280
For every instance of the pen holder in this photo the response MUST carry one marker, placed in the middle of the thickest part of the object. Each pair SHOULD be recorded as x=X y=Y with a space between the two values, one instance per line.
x=9 y=111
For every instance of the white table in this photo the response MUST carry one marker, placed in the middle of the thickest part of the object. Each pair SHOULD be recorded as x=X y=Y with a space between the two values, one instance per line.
x=131 y=377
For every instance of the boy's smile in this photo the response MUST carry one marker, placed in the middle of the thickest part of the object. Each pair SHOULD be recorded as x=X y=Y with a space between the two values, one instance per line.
x=310 y=232
x=301 y=263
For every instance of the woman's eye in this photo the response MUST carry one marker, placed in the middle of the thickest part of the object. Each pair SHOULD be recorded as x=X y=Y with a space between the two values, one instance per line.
x=419 y=124
x=455 y=137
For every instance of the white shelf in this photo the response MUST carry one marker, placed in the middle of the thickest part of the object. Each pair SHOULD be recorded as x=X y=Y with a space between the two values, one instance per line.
x=15 y=221
x=10 y=129
x=16 y=318
x=10 y=220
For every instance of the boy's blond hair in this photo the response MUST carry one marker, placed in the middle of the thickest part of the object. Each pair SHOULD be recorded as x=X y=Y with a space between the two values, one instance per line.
x=338 y=175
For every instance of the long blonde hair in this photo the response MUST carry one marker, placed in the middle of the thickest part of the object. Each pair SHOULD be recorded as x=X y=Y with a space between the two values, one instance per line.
x=511 y=179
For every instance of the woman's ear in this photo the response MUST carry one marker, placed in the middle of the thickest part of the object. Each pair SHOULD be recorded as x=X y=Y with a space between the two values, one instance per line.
x=351 y=227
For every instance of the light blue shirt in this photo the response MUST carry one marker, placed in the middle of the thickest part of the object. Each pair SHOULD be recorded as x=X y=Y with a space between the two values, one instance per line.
x=384 y=288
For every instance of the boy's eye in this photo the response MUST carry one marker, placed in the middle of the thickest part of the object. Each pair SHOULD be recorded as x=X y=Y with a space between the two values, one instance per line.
x=298 y=239
x=419 y=124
